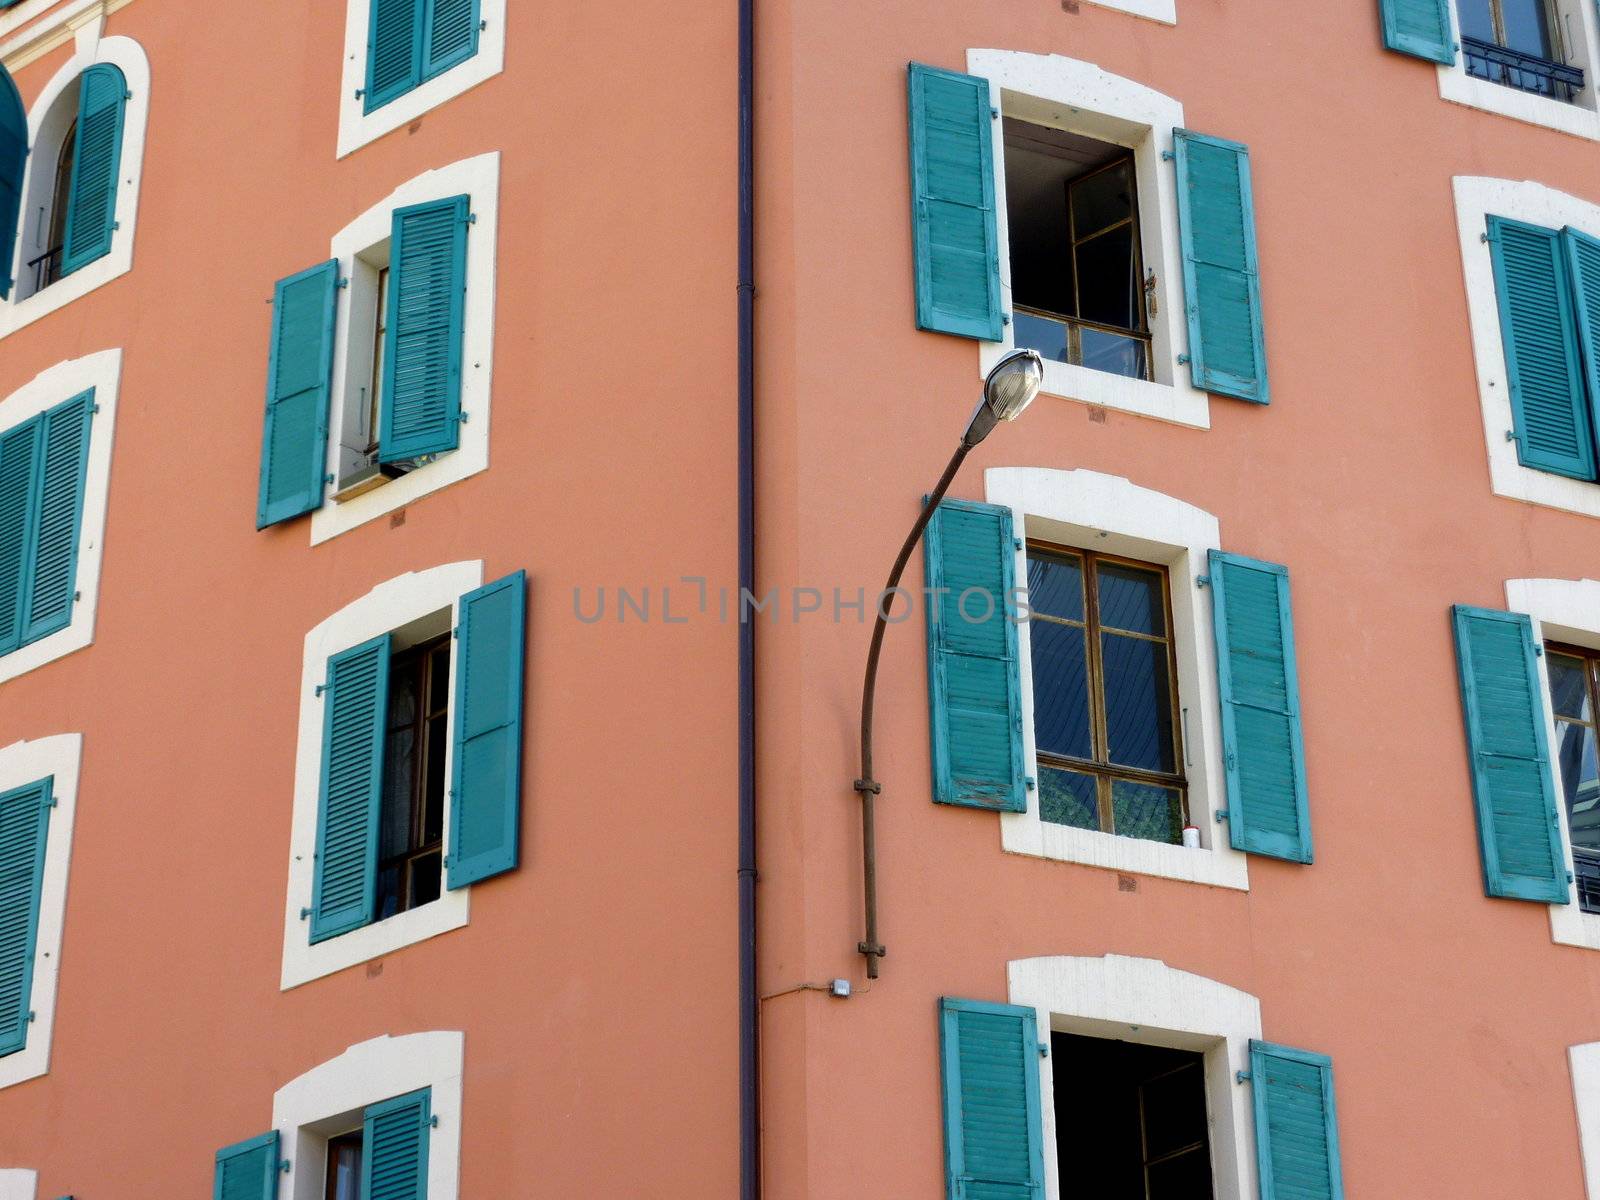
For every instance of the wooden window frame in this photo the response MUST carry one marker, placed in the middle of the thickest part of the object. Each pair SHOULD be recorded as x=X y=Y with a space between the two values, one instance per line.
x=330 y=1185
x=424 y=659
x=1202 y=1144
x=1103 y=770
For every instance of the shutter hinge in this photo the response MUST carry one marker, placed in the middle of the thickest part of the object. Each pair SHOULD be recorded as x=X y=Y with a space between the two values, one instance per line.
x=1030 y=782
x=328 y=479
x=1167 y=156
x=433 y=1121
x=1232 y=760
x=1241 y=1076
x=51 y=803
x=1538 y=651
x=283 y=1165
x=472 y=218
x=343 y=283
x=127 y=93
x=94 y=410
x=462 y=416
x=360 y=92
x=76 y=596
x=1044 y=1049
x=1005 y=318
x=1016 y=543
x=994 y=114
x=1202 y=581
x=1183 y=359
x=483 y=24
x=116 y=225
x=32 y=1016
x=1222 y=814
x=304 y=913
x=323 y=687
x=1483 y=237
x=1511 y=435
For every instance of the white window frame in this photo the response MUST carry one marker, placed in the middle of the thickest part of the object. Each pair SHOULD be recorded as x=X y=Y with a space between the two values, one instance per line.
x=1584 y=1061
x=388 y=607
x=1090 y=511
x=57 y=758
x=478 y=178
x=357 y=127
x=1165 y=11
x=1562 y=610
x=329 y=1099
x=1478 y=198
x=103 y=373
x=1145 y=1001
x=1080 y=97
x=17 y=1183
x=47 y=125
x=1579 y=118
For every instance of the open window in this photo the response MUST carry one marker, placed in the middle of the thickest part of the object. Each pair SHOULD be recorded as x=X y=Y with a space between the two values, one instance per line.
x=1521 y=44
x=1573 y=673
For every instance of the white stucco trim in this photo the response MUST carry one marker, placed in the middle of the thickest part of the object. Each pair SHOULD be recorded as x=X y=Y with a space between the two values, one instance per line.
x=1092 y=511
x=1079 y=96
x=478 y=178
x=57 y=758
x=1478 y=198
x=43 y=117
x=1165 y=11
x=1585 y=1063
x=1577 y=18
x=64 y=21
x=388 y=607
x=329 y=1099
x=103 y=373
x=1563 y=610
x=1144 y=1000
x=17 y=1183
x=357 y=127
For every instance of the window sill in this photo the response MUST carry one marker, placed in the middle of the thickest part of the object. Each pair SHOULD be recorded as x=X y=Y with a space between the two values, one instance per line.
x=1456 y=86
x=1026 y=834
x=1178 y=403
x=1165 y=11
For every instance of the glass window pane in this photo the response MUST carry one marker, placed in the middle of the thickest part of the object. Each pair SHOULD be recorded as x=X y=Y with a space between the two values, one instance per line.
x=1068 y=798
x=1055 y=586
x=1476 y=19
x=1139 y=810
x=1569 y=686
x=1047 y=336
x=440 y=686
x=425 y=874
x=1173 y=1107
x=1101 y=199
x=1060 y=689
x=1580 y=782
x=388 y=896
x=433 y=796
x=1131 y=599
x=399 y=767
x=1108 y=286
x=1525 y=26
x=1113 y=353
x=1138 y=702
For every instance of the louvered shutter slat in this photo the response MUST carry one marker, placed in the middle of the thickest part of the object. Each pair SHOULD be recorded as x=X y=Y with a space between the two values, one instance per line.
x=1538 y=328
x=97 y=161
x=1221 y=275
x=248 y=1170
x=1258 y=684
x=994 y=1135
x=422 y=363
x=485 y=812
x=13 y=166
x=974 y=681
x=19 y=466
x=1297 y=1127
x=299 y=385
x=1519 y=832
x=59 y=517
x=394 y=50
x=24 y=825
x=357 y=703
x=452 y=35
x=1420 y=28
x=394 y=1151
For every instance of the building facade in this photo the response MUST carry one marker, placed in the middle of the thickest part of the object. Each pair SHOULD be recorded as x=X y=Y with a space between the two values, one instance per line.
x=369 y=459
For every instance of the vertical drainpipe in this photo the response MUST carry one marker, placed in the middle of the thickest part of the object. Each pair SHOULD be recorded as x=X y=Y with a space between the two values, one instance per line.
x=749 y=1004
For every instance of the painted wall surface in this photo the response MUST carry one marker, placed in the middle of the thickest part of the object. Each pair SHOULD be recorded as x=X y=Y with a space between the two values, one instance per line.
x=1448 y=1015
x=595 y=986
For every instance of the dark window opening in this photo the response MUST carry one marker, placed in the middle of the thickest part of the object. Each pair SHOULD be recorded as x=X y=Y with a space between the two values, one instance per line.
x=1077 y=281
x=411 y=823
x=344 y=1167
x=47 y=268
x=1574 y=676
x=1518 y=43
x=1130 y=1120
x=1105 y=695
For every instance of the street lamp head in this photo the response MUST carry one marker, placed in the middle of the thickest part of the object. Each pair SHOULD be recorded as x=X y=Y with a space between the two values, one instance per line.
x=1009 y=388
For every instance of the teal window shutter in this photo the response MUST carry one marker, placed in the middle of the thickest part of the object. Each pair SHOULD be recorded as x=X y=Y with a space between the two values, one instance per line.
x=956 y=239
x=1221 y=276
x=248 y=1170
x=1420 y=28
x=427 y=312
x=294 y=444
x=486 y=791
x=1544 y=369
x=1263 y=747
x=452 y=27
x=58 y=518
x=394 y=50
x=92 y=192
x=1583 y=269
x=356 y=696
x=974 y=681
x=24 y=823
x=993 y=1123
x=1297 y=1126
x=394 y=1148
x=1519 y=832
x=13 y=162
x=43 y=463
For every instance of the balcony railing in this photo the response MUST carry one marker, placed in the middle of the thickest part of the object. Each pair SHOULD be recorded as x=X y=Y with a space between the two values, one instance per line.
x=46 y=268
x=1527 y=72
x=1586 y=869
